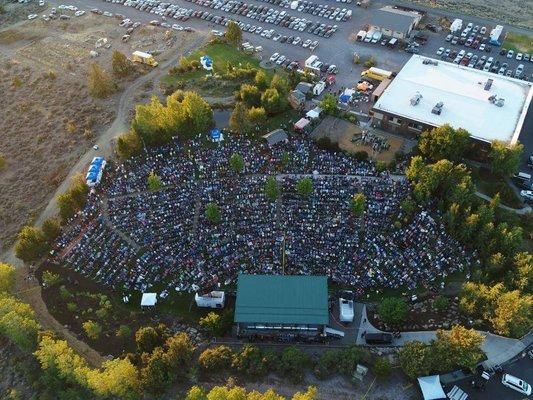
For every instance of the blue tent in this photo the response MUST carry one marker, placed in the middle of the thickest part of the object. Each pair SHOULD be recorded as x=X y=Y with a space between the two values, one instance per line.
x=206 y=62
x=92 y=176
x=345 y=98
x=215 y=134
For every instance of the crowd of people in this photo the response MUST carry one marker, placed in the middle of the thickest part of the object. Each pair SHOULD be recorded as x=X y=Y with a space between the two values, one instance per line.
x=131 y=238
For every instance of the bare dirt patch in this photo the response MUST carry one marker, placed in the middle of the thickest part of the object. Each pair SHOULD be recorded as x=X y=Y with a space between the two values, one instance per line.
x=47 y=118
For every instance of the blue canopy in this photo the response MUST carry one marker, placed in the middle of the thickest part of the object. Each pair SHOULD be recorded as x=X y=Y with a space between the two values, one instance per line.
x=206 y=61
x=215 y=134
x=344 y=98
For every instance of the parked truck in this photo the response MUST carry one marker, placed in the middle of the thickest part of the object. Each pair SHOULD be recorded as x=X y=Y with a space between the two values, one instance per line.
x=377 y=73
x=495 y=35
x=456 y=25
x=143 y=58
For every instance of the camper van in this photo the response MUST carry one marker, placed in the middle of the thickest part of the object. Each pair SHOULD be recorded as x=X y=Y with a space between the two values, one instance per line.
x=214 y=299
x=346 y=312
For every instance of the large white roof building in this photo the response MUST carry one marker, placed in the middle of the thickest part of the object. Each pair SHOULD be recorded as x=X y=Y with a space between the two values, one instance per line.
x=465 y=94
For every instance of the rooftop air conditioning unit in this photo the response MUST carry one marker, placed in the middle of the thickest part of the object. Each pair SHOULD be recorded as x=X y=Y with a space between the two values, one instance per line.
x=438 y=108
x=416 y=99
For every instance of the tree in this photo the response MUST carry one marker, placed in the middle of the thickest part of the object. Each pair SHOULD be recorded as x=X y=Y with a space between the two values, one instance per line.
x=121 y=65
x=100 y=84
x=212 y=213
x=17 y=319
x=156 y=375
x=328 y=104
x=458 y=348
x=128 y=144
x=51 y=229
x=211 y=322
x=280 y=84
x=250 y=95
x=309 y=394
x=441 y=303
x=117 y=378
x=74 y=199
x=382 y=367
x=272 y=188
x=154 y=182
x=250 y=361
x=415 y=359
x=92 y=329
x=31 y=245
x=147 y=339
x=393 y=310
x=50 y=279
x=273 y=102
x=513 y=314
x=261 y=80
x=444 y=142
x=236 y=162
x=238 y=121
x=357 y=204
x=199 y=114
x=504 y=158
x=304 y=187
x=233 y=34
x=7 y=277
x=522 y=274
x=328 y=364
x=292 y=363
x=256 y=117
x=123 y=331
x=179 y=351
x=155 y=123
x=216 y=358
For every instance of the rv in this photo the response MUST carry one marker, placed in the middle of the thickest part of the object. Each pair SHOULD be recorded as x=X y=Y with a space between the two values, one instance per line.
x=346 y=306
x=361 y=35
x=214 y=299
x=144 y=58
x=456 y=25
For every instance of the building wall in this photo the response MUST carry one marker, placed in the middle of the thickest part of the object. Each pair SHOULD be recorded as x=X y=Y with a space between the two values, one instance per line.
x=390 y=33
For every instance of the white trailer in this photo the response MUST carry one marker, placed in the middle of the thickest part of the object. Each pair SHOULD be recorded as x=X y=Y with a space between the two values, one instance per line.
x=319 y=88
x=310 y=61
x=346 y=311
x=456 y=25
x=214 y=299
x=495 y=35
x=361 y=35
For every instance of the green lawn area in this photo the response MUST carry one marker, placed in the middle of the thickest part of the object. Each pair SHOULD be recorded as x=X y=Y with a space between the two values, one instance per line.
x=489 y=184
x=221 y=54
x=518 y=42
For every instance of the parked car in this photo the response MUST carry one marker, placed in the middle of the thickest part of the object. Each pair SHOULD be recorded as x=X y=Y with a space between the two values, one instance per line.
x=516 y=384
x=510 y=54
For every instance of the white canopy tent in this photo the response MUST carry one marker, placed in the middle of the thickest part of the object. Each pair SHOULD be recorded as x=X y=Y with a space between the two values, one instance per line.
x=431 y=387
x=149 y=299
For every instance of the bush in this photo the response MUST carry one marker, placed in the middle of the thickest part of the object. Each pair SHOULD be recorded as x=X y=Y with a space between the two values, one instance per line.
x=328 y=364
x=393 y=310
x=361 y=155
x=2 y=162
x=148 y=338
x=216 y=359
x=123 y=331
x=292 y=363
x=380 y=166
x=7 y=277
x=92 y=329
x=370 y=62
x=382 y=367
x=51 y=279
x=349 y=359
x=441 y=303
x=217 y=324
x=250 y=361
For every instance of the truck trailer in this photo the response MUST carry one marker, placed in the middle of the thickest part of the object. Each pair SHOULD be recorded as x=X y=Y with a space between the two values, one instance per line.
x=495 y=35
x=377 y=74
x=144 y=58
x=456 y=25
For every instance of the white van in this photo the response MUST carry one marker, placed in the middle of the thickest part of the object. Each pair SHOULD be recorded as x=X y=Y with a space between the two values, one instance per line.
x=512 y=382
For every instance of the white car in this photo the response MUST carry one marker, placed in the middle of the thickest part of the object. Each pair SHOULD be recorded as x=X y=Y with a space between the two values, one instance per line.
x=307 y=43
x=41 y=3
x=519 y=56
x=32 y=16
x=527 y=194
x=79 y=13
x=177 y=27
x=95 y=147
x=280 y=60
x=512 y=382
x=274 y=57
x=440 y=51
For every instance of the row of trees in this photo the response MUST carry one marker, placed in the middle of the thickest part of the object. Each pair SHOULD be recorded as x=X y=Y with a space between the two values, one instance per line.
x=451 y=350
x=233 y=392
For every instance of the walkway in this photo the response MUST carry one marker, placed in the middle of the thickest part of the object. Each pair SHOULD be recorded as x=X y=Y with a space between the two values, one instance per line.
x=498 y=349
x=520 y=211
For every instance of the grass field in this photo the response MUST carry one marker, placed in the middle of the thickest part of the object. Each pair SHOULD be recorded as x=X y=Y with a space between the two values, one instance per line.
x=221 y=54
x=518 y=42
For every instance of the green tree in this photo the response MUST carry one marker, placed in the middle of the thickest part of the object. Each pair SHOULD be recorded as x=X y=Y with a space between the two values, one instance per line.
x=238 y=121
x=382 y=367
x=123 y=331
x=129 y=144
x=328 y=364
x=415 y=359
x=273 y=102
x=153 y=122
x=212 y=323
x=250 y=95
x=31 y=244
x=233 y=34
x=212 y=213
x=358 y=204
x=441 y=303
x=261 y=80
x=280 y=84
x=121 y=65
x=74 y=199
x=199 y=113
x=504 y=158
x=99 y=82
x=393 y=310
x=256 y=117
x=236 y=162
x=292 y=364
x=7 y=277
x=147 y=339
x=444 y=142
x=216 y=358
x=92 y=329
x=17 y=319
x=156 y=375
x=51 y=229
x=51 y=279
x=328 y=104
x=304 y=187
x=154 y=182
x=272 y=188
x=250 y=361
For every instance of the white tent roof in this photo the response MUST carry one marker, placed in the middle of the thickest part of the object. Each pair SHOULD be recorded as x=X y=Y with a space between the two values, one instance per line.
x=148 y=299
x=314 y=113
x=431 y=388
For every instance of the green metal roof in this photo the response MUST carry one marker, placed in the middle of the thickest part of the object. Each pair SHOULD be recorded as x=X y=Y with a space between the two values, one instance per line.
x=282 y=299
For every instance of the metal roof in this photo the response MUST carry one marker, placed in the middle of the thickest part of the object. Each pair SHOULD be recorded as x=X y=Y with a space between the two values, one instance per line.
x=393 y=21
x=282 y=299
x=276 y=136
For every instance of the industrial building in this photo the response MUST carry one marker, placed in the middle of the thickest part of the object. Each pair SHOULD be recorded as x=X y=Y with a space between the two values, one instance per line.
x=282 y=304
x=428 y=93
x=395 y=22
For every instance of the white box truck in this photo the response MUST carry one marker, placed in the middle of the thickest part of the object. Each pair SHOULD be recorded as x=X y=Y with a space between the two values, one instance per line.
x=214 y=299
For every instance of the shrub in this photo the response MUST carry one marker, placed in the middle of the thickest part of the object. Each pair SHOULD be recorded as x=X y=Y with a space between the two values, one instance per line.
x=292 y=363
x=361 y=155
x=441 y=303
x=382 y=367
x=380 y=166
x=370 y=62
x=92 y=329
x=72 y=307
x=349 y=359
x=393 y=310
x=328 y=364
x=216 y=358
x=123 y=331
x=7 y=277
x=2 y=162
x=51 y=279
x=250 y=361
